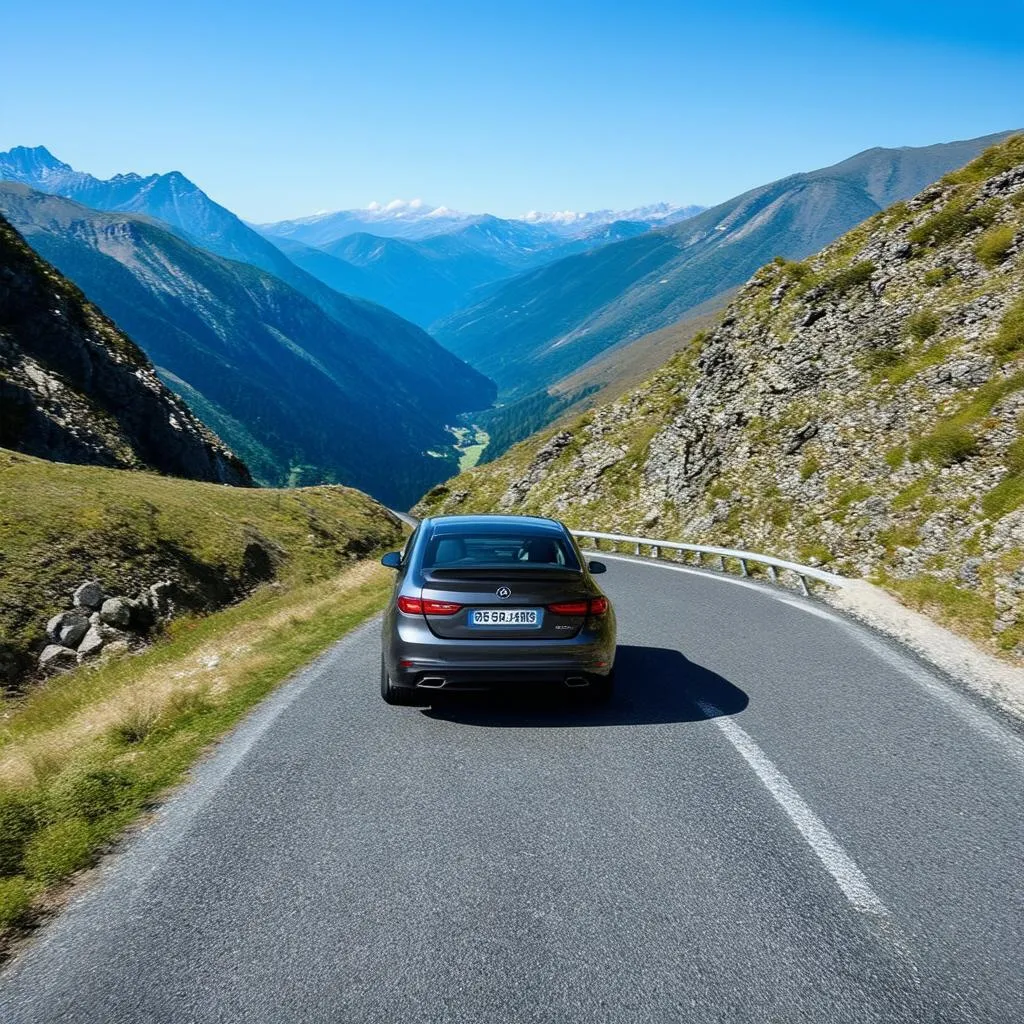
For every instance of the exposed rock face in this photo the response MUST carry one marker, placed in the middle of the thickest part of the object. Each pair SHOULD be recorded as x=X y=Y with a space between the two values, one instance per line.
x=862 y=409
x=73 y=388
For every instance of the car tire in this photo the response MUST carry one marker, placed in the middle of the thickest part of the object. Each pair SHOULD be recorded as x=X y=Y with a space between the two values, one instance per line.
x=392 y=694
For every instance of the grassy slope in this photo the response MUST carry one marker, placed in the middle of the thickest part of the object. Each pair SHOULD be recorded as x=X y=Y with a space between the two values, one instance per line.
x=83 y=757
x=942 y=478
x=62 y=524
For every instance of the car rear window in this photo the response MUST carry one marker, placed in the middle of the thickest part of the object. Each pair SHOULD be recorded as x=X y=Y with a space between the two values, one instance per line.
x=491 y=548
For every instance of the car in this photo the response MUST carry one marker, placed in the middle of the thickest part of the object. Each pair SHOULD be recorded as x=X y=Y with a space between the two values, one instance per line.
x=495 y=601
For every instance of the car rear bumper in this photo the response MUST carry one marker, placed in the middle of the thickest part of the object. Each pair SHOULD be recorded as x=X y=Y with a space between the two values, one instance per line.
x=437 y=664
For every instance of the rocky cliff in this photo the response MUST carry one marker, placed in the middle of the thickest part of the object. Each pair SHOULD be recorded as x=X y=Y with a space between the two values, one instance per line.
x=73 y=388
x=861 y=409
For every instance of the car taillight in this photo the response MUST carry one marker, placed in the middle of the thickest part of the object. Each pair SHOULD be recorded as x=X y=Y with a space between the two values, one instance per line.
x=416 y=606
x=569 y=608
x=595 y=606
x=441 y=607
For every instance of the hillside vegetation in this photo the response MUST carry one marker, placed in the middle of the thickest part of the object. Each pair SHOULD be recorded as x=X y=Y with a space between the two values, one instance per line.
x=861 y=409
x=61 y=525
x=547 y=323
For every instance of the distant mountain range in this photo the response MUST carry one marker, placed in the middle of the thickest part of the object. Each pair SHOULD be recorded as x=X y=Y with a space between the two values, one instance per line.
x=354 y=395
x=544 y=324
x=416 y=220
x=73 y=388
x=438 y=262
x=427 y=279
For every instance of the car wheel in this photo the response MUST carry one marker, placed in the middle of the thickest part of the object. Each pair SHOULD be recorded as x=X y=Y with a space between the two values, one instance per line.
x=393 y=694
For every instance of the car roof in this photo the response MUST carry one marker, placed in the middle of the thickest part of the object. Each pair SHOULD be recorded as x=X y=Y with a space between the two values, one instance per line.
x=457 y=524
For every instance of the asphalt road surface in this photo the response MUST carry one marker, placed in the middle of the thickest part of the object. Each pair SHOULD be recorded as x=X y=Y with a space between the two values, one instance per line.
x=780 y=817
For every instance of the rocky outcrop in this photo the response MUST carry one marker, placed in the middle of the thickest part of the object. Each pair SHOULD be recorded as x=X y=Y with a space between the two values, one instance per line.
x=97 y=623
x=861 y=409
x=73 y=388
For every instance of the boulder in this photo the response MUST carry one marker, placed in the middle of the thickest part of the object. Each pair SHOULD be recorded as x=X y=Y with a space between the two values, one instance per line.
x=68 y=624
x=92 y=643
x=89 y=595
x=72 y=631
x=116 y=612
x=54 y=658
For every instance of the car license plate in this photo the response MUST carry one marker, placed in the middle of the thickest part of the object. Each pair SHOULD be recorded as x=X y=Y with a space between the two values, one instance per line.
x=523 y=618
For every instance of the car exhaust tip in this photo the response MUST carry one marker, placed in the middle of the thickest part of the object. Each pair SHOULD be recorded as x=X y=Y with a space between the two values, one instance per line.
x=432 y=682
x=577 y=681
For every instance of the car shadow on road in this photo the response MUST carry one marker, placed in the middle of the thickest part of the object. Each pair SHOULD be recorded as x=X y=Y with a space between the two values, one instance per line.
x=653 y=686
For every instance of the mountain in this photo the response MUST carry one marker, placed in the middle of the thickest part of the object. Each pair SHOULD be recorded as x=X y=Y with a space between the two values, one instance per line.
x=362 y=397
x=415 y=220
x=544 y=324
x=426 y=280
x=179 y=203
x=73 y=388
x=862 y=409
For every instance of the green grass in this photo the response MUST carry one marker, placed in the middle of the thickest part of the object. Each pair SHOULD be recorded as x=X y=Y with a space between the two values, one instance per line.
x=995 y=160
x=1009 y=341
x=1005 y=497
x=72 y=778
x=922 y=325
x=937 y=276
x=967 y=611
x=955 y=220
x=946 y=445
x=61 y=524
x=994 y=246
x=809 y=466
x=912 y=493
x=848 y=278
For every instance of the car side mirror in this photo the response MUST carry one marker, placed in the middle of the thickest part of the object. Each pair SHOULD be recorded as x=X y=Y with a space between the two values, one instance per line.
x=393 y=560
x=596 y=568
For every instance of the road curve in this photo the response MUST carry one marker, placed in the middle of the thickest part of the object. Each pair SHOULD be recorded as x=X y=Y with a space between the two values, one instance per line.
x=780 y=817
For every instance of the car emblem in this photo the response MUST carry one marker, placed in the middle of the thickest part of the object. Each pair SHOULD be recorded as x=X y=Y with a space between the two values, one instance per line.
x=504 y=592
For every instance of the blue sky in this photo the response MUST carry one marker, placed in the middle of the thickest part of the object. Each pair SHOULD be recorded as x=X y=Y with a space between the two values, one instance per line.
x=280 y=110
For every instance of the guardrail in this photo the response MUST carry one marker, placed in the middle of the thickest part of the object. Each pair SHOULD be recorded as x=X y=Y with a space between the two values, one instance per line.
x=655 y=547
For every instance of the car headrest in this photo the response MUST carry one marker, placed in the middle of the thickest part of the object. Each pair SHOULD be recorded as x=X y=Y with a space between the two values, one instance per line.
x=449 y=549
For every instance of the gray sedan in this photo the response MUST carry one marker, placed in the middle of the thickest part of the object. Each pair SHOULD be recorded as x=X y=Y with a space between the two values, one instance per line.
x=484 y=601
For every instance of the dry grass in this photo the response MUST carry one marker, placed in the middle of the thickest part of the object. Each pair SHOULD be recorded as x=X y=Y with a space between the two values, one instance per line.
x=82 y=756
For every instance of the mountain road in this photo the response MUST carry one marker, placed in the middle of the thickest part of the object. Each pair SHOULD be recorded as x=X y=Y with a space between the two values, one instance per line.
x=781 y=816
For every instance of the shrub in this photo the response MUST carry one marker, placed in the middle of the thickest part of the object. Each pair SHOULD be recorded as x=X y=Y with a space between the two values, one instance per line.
x=881 y=359
x=58 y=849
x=937 y=276
x=809 y=467
x=15 y=899
x=17 y=821
x=84 y=791
x=953 y=221
x=844 y=280
x=922 y=324
x=1010 y=339
x=993 y=246
x=1006 y=496
x=895 y=457
x=945 y=445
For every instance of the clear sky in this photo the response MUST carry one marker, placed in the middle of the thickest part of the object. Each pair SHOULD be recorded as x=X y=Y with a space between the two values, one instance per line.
x=285 y=108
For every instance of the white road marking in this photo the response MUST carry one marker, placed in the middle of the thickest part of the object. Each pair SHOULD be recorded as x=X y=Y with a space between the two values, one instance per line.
x=839 y=864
